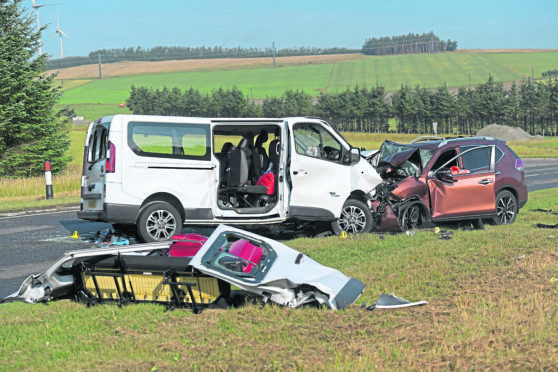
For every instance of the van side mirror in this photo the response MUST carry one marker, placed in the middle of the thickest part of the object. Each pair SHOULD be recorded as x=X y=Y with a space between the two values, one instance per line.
x=352 y=157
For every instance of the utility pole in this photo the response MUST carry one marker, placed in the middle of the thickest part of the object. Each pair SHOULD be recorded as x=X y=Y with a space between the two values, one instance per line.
x=273 y=47
x=100 y=69
x=432 y=42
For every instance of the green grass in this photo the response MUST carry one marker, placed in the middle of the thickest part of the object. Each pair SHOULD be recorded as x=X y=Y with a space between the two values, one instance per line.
x=492 y=305
x=526 y=63
x=101 y=97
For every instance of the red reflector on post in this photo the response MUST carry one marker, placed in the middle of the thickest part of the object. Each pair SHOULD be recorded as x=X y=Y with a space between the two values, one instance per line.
x=47 y=166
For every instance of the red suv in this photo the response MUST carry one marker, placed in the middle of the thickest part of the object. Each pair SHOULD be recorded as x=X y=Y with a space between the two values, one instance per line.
x=434 y=179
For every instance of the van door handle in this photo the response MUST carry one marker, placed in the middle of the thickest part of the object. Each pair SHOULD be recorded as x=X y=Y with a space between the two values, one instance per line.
x=485 y=182
x=301 y=171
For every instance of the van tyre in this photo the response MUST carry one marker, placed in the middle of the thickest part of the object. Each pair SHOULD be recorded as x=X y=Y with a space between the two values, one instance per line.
x=158 y=221
x=506 y=208
x=355 y=218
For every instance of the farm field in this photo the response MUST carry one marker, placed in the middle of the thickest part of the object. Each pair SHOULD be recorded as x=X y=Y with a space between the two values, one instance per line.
x=491 y=306
x=257 y=79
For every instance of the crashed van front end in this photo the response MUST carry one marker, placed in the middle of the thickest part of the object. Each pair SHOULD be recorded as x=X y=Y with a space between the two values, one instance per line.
x=145 y=273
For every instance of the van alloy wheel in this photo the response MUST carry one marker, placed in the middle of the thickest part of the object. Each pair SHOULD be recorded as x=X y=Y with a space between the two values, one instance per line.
x=159 y=221
x=161 y=224
x=355 y=218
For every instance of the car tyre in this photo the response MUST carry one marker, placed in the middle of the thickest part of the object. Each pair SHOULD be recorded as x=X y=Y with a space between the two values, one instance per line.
x=411 y=217
x=355 y=218
x=506 y=208
x=158 y=221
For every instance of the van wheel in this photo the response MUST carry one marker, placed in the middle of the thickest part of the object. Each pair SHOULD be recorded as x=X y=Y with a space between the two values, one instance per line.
x=355 y=218
x=158 y=222
x=506 y=208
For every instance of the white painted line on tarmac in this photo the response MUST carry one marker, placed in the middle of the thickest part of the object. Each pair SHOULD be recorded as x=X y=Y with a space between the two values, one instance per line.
x=4 y=216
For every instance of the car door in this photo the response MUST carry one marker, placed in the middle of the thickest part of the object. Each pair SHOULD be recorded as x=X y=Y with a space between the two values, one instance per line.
x=320 y=181
x=469 y=189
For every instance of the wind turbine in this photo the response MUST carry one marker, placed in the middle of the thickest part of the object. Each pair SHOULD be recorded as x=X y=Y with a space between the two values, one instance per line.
x=36 y=7
x=60 y=33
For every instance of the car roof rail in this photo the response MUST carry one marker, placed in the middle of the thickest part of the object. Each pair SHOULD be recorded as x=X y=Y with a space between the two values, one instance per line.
x=446 y=141
x=425 y=138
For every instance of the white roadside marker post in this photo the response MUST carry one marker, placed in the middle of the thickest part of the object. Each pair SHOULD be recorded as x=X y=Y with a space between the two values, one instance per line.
x=48 y=181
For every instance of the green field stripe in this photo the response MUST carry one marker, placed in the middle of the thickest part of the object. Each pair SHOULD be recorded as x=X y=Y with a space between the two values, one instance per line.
x=427 y=70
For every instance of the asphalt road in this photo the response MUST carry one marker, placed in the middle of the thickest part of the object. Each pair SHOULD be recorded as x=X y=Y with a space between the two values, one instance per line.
x=30 y=243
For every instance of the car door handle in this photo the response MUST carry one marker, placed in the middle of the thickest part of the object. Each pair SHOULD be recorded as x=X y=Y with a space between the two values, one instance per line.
x=302 y=171
x=485 y=182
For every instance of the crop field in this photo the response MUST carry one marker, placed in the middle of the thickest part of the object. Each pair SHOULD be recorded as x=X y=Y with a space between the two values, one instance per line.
x=491 y=306
x=257 y=79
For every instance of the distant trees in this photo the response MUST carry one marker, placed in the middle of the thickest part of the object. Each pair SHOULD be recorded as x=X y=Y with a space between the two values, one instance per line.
x=532 y=106
x=550 y=74
x=31 y=131
x=407 y=44
x=174 y=102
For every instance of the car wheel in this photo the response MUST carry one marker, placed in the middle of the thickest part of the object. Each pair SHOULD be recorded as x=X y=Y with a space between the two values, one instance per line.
x=506 y=208
x=355 y=218
x=411 y=217
x=158 y=222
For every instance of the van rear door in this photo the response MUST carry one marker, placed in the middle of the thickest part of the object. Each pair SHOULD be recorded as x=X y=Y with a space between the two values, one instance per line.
x=93 y=180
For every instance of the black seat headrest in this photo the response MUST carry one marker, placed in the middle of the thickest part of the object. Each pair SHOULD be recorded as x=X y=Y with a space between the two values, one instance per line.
x=262 y=138
x=226 y=147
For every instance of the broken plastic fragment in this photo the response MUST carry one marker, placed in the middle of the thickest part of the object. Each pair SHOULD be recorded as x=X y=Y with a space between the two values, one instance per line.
x=394 y=302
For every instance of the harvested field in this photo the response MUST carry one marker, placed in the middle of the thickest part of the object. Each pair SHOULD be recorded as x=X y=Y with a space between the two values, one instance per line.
x=139 y=68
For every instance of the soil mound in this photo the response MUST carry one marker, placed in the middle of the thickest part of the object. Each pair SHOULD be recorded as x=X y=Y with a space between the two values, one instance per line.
x=507 y=133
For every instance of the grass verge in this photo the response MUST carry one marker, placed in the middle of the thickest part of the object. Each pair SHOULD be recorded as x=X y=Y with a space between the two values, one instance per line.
x=492 y=305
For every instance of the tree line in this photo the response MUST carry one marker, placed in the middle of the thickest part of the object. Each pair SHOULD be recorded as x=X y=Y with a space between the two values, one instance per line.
x=164 y=53
x=407 y=44
x=529 y=105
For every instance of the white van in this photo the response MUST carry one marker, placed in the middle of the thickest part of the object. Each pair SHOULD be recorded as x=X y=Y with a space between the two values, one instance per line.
x=157 y=173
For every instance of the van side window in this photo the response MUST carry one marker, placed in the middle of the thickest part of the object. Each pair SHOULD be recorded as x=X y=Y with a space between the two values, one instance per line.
x=312 y=140
x=170 y=140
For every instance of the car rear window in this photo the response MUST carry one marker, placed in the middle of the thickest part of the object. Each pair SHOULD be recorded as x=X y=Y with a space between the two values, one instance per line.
x=170 y=140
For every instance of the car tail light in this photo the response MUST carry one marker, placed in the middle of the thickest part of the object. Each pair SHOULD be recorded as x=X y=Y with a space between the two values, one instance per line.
x=519 y=165
x=111 y=159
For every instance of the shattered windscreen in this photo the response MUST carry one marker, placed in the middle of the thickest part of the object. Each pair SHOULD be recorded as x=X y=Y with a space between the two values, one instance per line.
x=408 y=162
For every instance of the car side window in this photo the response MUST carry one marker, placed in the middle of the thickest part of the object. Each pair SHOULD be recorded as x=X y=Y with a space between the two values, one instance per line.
x=444 y=157
x=314 y=141
x=476 y=160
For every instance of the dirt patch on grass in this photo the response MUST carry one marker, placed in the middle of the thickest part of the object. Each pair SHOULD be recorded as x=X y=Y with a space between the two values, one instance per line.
x=138 y=68
x=506 y=133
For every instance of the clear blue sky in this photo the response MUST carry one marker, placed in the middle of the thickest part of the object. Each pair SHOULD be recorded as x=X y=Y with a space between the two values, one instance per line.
x=105 y=24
